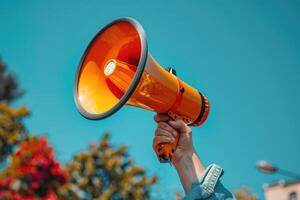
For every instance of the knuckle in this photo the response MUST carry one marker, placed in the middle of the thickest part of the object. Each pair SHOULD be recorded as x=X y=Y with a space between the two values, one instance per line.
x=188 y=129
x=157 y=132
x=165 y=139
x=175 y=133
x=159 y=125
x=161 y=139
x=179 y=121
x=172 y=133
x=162 y=125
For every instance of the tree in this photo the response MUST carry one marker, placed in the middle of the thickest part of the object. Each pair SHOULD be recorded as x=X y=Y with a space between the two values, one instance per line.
x=32 y=172
x=9 y=89
x=106 y=173
x=12 y=130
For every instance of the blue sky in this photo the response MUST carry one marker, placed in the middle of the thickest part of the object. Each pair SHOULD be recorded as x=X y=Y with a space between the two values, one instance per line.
x=244 y=55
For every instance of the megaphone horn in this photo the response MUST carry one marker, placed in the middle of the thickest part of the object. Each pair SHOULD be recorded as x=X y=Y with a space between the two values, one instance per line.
x=116 y=70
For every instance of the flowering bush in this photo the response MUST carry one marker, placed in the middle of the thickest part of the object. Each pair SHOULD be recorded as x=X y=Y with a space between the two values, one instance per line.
x=106 y=172
x=33 y=173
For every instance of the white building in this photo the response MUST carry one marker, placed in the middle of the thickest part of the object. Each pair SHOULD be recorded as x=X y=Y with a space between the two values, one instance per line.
x=283 y=190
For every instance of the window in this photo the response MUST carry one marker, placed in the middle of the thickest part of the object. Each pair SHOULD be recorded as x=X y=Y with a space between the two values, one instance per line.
x=293 y=196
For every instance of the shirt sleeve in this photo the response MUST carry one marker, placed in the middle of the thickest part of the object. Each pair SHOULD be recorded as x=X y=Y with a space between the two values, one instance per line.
x=208 y=186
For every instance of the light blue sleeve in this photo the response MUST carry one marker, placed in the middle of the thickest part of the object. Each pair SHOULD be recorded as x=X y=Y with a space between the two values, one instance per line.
x=209 y=187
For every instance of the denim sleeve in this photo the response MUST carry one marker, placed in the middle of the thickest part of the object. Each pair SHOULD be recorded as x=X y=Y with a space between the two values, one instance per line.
x=209 y=187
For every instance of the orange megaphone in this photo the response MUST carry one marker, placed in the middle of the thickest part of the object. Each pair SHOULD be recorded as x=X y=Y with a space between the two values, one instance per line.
x=116 y=69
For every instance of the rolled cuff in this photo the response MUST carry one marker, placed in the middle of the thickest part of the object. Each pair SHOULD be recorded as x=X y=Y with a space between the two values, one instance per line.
x=206 y=185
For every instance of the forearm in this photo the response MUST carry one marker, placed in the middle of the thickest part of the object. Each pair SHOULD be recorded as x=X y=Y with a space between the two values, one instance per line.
x=201 y=183
x=198 y=182
x=189 y=169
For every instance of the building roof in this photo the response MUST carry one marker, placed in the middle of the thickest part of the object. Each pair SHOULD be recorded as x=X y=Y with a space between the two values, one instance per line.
x=283 y=183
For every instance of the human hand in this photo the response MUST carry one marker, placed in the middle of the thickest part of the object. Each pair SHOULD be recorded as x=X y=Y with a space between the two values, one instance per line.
x=166 y=132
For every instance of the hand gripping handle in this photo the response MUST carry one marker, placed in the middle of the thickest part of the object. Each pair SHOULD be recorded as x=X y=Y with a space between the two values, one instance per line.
x=165 y=151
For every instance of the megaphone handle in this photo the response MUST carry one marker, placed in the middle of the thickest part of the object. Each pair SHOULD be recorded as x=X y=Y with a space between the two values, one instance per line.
x=165 y=151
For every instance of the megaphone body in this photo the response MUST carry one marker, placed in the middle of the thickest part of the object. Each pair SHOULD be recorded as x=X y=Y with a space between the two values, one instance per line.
x=117 y=69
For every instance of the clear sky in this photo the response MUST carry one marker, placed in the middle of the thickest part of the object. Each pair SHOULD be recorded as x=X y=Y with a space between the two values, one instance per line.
x=244 y=55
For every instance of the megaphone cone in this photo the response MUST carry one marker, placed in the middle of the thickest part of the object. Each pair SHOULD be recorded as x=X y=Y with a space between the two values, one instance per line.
x=116 y=69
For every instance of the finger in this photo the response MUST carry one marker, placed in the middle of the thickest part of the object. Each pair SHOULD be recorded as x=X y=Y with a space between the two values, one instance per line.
x=179 y=125
x=165 y=126
x=162 y=132
x=161 y=139
x=161 y=118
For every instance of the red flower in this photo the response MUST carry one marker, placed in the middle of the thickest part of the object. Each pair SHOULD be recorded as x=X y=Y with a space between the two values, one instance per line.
x=35 y=167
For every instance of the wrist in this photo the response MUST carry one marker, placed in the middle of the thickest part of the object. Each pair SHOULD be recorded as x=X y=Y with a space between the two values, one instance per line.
x=186 y=157
x=189 y=169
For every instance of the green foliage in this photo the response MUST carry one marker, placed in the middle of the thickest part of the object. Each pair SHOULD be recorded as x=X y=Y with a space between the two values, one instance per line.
x=102 y=173
x=12 y=130
x=106 y=173
x=9 y=89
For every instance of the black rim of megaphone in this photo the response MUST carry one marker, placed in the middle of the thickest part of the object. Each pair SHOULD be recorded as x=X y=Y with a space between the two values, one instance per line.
x=135 y=81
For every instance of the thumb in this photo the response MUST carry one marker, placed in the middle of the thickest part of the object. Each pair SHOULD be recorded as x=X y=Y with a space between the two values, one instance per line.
x=179 y=125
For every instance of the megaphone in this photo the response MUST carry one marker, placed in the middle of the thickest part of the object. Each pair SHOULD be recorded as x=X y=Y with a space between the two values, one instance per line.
x=116 y=69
